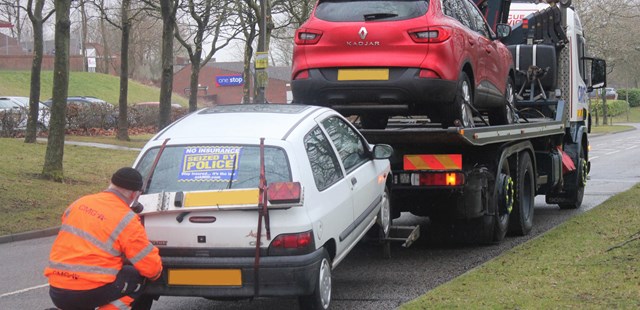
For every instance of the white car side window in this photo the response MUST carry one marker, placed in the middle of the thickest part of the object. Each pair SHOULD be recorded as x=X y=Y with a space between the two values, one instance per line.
x=324 y=162
x=348 y=143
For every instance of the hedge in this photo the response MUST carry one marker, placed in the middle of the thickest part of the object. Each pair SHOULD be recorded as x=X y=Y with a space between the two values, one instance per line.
x=614 y=107
x=634 y=96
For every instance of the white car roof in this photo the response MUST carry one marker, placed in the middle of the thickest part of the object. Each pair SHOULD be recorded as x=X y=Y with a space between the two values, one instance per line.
x=271 y=121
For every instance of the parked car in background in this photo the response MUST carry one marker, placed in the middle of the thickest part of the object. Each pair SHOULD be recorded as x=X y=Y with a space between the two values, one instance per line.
x=81 y=100
x=154 y=104
x=326 y=186
x=611 y=93
x=44 y=112
x=89 y=112
x=404 y=57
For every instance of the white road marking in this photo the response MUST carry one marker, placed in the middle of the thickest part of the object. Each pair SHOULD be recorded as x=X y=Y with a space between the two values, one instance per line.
x=594 y=157
x=24 y=290
x=612 y=152
x=631 y=147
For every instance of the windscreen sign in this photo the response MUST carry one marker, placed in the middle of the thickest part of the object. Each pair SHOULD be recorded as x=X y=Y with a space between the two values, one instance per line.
x=210 y=164
x=229 y=80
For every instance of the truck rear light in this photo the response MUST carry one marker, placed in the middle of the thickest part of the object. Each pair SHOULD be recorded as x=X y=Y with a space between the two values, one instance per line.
x=428 y=74
x=284 y=192
x=434 y=34
x=307 y=36
x=438 y=179
x=430 y=179
x=292 y=244
x=302 y=75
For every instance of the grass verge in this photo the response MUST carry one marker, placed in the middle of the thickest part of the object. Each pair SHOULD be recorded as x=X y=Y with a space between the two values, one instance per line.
x=611 y=129
x=570 y=267
x=632 y=116
x=30 y=203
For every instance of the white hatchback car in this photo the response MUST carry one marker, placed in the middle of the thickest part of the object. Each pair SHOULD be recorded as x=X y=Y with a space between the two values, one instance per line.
x=324 y=187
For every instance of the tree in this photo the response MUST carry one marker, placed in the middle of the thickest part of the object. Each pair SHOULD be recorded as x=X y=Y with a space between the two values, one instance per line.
x=37 y=21
x=209 y=16
x=53 y=169
x=248 y=22
x=168 y=10
x=125 y=28
x=123 y=119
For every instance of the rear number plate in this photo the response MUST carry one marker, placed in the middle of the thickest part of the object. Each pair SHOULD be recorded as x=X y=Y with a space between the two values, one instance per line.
x=363 y=74
x=206 y=277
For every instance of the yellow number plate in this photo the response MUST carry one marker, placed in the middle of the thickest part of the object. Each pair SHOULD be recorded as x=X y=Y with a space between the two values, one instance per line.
x=363 y=74
x=209 y=277
x=222 y=198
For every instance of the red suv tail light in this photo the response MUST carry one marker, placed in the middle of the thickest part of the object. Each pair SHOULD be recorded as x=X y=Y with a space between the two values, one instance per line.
x=434 y=34
x=306 y=36
x=292 y=244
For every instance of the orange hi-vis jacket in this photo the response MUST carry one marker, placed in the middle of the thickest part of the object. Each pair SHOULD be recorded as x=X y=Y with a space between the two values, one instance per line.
x=97 y=232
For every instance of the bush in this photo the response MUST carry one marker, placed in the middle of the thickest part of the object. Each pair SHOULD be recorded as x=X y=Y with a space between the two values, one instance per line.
x=634 y=96
x=614 y=107
x=11 y=120
x=92 y=115
x=144 y=116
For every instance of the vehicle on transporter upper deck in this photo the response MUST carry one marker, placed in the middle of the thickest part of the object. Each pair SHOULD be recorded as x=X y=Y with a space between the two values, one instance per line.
x=378 y=59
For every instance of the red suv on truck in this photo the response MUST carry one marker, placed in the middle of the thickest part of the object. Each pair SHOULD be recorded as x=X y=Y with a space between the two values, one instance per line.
x=384 y=58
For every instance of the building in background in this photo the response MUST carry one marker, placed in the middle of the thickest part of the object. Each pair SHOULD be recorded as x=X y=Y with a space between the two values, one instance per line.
x=222 y=83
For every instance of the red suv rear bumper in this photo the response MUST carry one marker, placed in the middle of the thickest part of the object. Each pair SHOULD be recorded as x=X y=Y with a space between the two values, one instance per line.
x=404 y=93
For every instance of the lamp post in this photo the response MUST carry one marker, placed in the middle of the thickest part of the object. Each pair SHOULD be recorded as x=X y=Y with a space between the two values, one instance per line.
x=261 y=62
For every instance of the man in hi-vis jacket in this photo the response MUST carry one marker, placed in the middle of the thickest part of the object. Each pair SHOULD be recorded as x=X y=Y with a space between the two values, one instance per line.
x=99 y=233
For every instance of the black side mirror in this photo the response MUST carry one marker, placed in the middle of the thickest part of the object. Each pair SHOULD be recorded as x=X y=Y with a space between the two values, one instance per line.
x=598 y=73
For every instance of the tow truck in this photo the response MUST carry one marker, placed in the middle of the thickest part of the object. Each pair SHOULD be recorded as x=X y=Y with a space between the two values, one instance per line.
x=481 y=182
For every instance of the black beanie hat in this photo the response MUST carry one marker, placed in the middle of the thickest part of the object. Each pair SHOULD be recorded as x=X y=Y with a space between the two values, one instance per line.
x=127 y=178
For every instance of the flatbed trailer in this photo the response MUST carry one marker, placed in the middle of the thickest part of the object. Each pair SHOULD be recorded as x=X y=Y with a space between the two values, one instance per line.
x=481 y=181
x=483 y=178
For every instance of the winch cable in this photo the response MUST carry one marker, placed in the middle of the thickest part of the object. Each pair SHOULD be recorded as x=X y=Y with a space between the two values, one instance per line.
x=263 y=212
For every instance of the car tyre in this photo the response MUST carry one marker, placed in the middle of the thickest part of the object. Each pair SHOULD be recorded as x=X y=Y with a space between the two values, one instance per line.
x=383 y=223
x=459 y=112
x=522 y=215
x=506 y=114
x=320 y=299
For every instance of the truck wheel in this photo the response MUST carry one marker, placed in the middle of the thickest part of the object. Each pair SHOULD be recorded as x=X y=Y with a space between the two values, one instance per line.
x=501 y=191
x=374 y=121
x=459 y=112
x=522 y=216
x=578 y=179
x=505 y=115
x=321 y=296
x=503 y=202
x=492 y=227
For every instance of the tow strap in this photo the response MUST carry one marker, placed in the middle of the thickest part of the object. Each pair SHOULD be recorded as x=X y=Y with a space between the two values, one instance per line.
x=263 y=212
